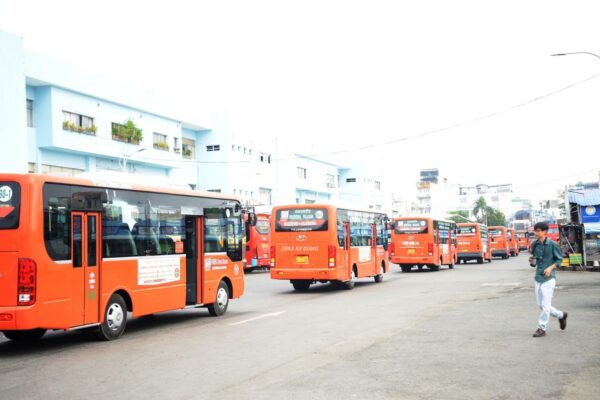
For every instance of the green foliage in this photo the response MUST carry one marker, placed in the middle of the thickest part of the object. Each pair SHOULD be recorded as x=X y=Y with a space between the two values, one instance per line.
x=480 y=210
x=459 y=216
x=161 y=146
x=69 y=126
x=496 y=218
x=127 y=132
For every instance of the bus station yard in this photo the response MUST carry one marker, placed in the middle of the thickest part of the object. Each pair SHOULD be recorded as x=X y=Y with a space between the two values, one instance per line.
x=464 y=333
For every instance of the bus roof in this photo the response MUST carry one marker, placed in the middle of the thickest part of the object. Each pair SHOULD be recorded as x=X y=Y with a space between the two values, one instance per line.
x=118 y=183
x=328 y=206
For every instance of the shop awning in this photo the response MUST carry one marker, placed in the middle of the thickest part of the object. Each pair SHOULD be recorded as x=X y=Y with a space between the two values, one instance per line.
x=585 y=197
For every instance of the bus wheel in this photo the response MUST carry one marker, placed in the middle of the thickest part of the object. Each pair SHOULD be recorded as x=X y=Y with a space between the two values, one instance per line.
x=115 y=319
x=407 y=268
x=480 y=260
x=350 y=284
x=301 y=285
x=451 y=266
x=219 y=307
x=435 y=267
x=29 y=335
x=379 y=278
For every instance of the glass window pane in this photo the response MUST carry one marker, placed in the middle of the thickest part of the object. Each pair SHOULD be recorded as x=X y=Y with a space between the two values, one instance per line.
x=91 y=237
x=77 y=241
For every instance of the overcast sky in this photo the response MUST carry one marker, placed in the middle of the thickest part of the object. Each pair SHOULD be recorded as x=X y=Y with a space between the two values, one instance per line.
x=329 y=76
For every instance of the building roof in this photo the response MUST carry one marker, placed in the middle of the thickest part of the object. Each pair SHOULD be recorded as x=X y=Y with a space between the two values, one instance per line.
x=585 y=197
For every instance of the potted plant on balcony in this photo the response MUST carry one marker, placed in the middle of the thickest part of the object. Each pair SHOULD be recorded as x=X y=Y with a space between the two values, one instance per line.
x=161 y=146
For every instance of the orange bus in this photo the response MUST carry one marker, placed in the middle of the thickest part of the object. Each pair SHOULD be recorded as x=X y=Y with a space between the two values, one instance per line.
x=523 y=241
x=473 y=243
x=258 y=243
x=79 y=253
x=499 y=241
x=323 y=243
x=420 y=241
x=513 y=242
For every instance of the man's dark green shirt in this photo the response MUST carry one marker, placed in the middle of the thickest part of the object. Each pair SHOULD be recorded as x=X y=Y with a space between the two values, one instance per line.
x=547 y=254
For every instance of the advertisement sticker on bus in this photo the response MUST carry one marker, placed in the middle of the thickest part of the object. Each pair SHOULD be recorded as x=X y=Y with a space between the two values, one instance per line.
x=414 y=226
x=158 y=270
x=300 y=220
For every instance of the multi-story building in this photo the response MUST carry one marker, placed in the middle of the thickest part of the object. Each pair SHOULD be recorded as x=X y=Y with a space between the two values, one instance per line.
x=57 y=119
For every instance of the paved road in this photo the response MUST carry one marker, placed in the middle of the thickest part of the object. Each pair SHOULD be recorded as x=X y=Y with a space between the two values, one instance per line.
x=454 y=334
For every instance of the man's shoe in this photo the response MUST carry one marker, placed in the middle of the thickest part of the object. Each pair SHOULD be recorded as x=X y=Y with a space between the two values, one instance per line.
x=563 y=321
x=539 y=333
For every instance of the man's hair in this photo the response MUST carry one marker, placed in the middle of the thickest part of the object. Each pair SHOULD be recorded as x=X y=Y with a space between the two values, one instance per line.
x=541 y=226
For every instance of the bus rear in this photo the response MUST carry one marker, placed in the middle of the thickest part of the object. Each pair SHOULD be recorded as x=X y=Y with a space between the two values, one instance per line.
x=17 y=268
x=304 y=244
x=499 y=241
x=258 y=246
x=472 y=243
x=522 y=240
x=414 y=243
x=513 y=242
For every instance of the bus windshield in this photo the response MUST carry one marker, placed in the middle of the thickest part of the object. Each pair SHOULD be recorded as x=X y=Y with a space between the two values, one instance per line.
x=301 y=220
x=263 y=227
x=10 y=200
x=467 y=230
x=411 y=226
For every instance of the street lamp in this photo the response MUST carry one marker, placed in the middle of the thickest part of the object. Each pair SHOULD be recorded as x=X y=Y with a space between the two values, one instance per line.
x=576 y=52
x=125 y=157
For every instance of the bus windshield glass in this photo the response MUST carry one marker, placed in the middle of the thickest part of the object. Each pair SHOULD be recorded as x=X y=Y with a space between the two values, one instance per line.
x=301 y=220
x=10 y=201
x=263 y=227
x=415 y=226
x=467 y=230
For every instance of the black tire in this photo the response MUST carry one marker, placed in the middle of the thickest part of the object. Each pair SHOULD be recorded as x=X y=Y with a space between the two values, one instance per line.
x=349 y=285
x=451 y=266
x=434 y=267
x=301 y=285
x=480 y=260
x=379 y=278
x=219 y=307
x=29 y=335
x=115 y=319
x=406 y=268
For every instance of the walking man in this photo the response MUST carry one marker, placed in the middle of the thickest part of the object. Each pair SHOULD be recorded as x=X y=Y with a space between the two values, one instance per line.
x=546 y=258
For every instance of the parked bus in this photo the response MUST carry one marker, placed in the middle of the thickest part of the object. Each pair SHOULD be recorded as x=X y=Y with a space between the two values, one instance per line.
x=522 y=240
x=499 y=241
x=81 y=253
x=553 y=233
x=473 y=243
x=258 y=243
x=323 y=243
x=522 y=227
x=512 y=242
x=419 y=241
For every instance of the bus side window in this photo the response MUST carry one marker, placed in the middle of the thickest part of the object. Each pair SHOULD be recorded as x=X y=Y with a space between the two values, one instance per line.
x=341 y=233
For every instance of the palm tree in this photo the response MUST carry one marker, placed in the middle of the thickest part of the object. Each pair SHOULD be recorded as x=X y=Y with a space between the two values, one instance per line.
x=480 y=210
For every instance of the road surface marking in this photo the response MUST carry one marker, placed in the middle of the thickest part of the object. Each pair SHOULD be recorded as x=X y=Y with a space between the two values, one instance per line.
x=275 y=314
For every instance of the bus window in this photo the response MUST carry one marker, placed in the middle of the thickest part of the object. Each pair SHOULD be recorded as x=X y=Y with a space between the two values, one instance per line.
x=414 y=226
x=10 y=202
x=301 y=220
x=263 y=227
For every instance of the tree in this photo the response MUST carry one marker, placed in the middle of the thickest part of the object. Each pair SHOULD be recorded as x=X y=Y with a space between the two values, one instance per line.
x=459 y=216
x=496 y=218
x=480 y=210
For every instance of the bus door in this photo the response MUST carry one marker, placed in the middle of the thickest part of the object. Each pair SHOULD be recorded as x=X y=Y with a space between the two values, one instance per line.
x=194 y=260
x=86 y=255
x=347 y=250
x=373 y=267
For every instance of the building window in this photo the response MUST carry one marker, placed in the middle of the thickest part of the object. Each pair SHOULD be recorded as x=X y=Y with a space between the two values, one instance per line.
x=55 y=169
x=301 y=172
x=264 y=195
x=350 y=180
x=188 y=147
x=377 y=185
x=31 y=167
x=78 y=123
x=233 y=147
x=249 y=152
x=214 y=147
x=214 y=190
x=176 y=147
x=330 y=181
x=30 y=113
x=160 y=142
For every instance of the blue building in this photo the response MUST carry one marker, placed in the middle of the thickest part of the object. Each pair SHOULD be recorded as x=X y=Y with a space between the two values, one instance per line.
x=57 y=119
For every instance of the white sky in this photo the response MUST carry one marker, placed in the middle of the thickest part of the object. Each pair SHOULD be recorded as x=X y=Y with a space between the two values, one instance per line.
x=333 y=75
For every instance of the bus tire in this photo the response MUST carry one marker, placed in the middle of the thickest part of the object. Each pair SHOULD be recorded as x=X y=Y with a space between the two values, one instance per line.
x=115 y=319
x=451 y=266
x=29 y=335
x=480 y=260
x=349 y=285
x=219 y=307
x=301 y=285
x=434 y=267
x=378 y=278
x=407 y=268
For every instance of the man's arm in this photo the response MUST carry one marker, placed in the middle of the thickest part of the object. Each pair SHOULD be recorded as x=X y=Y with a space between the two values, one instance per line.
x=557 y=257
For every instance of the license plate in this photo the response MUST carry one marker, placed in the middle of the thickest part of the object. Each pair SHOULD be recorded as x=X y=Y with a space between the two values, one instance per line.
x=411 y=251
x=301 y=259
